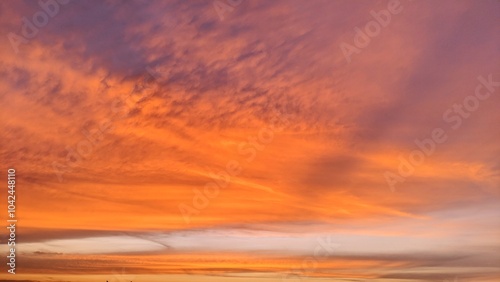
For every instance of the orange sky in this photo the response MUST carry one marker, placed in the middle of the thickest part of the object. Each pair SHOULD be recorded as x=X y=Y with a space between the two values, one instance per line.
x=175 y=141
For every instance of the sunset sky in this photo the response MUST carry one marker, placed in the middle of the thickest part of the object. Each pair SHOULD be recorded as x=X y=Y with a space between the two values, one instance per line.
x=251 y=140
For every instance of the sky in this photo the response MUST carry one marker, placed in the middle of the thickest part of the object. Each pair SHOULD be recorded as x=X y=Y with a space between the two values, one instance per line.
x=251 y=140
